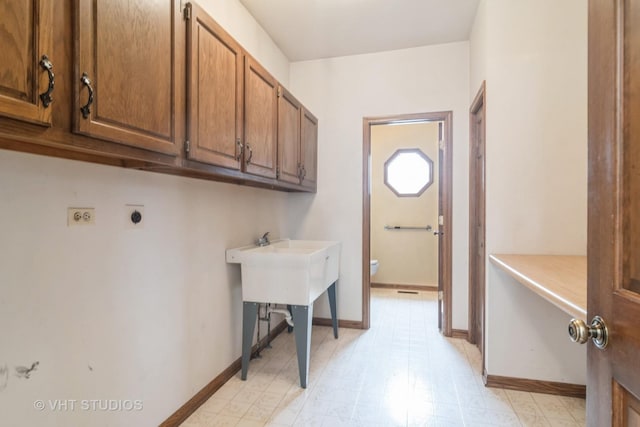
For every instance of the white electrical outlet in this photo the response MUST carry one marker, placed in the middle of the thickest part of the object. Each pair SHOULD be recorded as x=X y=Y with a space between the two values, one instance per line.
x=134 y=216
x=81 y=216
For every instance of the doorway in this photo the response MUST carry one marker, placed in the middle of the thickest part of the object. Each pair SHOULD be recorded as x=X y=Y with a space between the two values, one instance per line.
x=404 y=206
x=441 y=229
x=477 y=254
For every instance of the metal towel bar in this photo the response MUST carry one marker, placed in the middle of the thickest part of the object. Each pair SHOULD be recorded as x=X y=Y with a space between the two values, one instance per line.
x=399 y=227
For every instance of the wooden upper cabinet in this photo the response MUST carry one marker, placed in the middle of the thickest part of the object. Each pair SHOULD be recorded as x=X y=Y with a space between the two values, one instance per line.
x=260 y=120
x=153 y=82
x=214 y=107
x=289 y=165
x=26 y=35
x=309 y=146
x=129 y=77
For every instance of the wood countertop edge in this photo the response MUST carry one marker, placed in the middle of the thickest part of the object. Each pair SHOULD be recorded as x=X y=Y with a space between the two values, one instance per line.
x=560 y=301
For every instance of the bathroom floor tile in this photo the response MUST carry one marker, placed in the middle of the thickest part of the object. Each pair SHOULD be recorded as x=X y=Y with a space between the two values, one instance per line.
x=533 y=420
x=214 y=405
x=249 y=423
x=400 y=372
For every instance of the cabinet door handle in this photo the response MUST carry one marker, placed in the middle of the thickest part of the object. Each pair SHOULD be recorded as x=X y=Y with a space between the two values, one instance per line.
x=48 y=67
x=239 y=145
x=300 y=172
x=85 y=108
x=250 y=152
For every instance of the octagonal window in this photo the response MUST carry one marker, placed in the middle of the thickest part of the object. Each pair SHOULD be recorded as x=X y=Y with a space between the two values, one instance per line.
x=408 y=172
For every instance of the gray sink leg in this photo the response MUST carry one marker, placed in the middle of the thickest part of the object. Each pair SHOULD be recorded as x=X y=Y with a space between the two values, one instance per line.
x=302 y=315
x=331 y=291
x=249 y=316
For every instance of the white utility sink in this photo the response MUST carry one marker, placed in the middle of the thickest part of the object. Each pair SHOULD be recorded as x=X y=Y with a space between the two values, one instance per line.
x=287 y=271
x=292 y=272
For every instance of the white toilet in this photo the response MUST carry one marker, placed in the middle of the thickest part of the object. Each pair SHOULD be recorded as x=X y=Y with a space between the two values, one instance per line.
x=374 y=266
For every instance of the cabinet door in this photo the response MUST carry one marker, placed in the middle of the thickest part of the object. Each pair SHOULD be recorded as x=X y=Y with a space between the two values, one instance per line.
x=214 y=92
x=289 y=165
x=309 y=145
x=129 y=72
x=261 y=117
x=26 y=31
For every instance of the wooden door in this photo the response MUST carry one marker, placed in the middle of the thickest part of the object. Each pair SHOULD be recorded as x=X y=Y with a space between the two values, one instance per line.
x=309 y=147
x=131 y=54
x=477 y=221
x=289 y=161
x=261 y=120
x=26 y=40
x=214 y=98
x=439 y=232
x=445 y=218
x=613 y=379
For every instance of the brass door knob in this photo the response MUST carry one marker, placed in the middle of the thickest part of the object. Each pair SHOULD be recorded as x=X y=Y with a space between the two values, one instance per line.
x=597 y=331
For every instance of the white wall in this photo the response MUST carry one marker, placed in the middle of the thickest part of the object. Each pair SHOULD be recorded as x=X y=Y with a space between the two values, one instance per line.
x=340 y=92
x=406 y=257
x=111 y=312
x=115 y=313
x=533 y=55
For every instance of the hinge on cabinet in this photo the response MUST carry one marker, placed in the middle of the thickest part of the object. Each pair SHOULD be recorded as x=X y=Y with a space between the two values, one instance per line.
x=187 y=146
x=279 y=91
x=440 y=295
x=441 y=144
x=187 y=12
x=277 y=172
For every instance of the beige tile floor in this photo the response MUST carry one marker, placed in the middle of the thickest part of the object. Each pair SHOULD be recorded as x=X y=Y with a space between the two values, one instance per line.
x=401 y=372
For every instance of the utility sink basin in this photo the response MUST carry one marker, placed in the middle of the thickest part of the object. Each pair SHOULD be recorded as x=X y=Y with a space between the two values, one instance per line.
x=287 y=271
x=292 y=272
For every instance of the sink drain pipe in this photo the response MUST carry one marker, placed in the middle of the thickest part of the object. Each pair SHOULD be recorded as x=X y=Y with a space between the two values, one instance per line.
x=284 y=312
x=266 y=317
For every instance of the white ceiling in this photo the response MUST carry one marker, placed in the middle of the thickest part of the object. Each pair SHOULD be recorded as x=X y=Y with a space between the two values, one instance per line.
x=313 y=29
